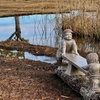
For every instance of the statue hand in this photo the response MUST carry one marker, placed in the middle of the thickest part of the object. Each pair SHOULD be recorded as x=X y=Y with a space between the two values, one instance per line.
x=63 y=54
x=77 y=53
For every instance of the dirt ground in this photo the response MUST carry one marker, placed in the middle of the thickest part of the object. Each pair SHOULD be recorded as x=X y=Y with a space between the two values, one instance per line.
x=23 y=79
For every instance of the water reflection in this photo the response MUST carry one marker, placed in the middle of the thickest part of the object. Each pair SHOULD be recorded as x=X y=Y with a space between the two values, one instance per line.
x=9 y=53
x=86 y=45
x=40 y=58
x=41 y=30
x=26 y=55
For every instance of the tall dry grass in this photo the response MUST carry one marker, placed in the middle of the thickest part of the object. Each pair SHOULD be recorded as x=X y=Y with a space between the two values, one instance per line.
x=85 y=21
x=19 y=7
x=82 y=24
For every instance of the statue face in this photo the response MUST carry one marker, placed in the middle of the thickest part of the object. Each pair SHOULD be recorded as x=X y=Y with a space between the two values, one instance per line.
x=68 y=36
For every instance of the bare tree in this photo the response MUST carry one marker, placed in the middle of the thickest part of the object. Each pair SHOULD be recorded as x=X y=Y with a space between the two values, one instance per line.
x=17 y=32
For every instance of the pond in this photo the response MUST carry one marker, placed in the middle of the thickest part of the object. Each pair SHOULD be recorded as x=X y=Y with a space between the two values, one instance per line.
x=38 y=29
x=41 y=30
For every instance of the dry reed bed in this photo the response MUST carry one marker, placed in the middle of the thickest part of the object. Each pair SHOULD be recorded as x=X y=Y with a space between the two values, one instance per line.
x=84 y=24
x=21 y=7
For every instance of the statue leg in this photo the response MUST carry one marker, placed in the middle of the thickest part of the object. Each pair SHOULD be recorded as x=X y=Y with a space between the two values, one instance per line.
x=59 y=59
x=59 y=63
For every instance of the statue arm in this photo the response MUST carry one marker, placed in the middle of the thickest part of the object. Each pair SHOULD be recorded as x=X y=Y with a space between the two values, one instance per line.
x=86 y=67
x=63 y=47
x=75 y=48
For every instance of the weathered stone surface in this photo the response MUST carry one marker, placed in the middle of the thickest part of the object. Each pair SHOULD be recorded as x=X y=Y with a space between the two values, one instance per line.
x=75 y=82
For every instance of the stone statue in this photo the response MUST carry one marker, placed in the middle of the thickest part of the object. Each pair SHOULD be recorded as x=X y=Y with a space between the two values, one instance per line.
x=68 y=45
x=93 y=71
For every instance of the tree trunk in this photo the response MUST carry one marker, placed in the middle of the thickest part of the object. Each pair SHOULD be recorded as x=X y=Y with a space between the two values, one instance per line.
x=17 y=30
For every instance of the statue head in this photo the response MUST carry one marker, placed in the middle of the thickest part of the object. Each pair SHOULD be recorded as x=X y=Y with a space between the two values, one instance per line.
x=92 y=58
x=67 y=34
x=68 y=31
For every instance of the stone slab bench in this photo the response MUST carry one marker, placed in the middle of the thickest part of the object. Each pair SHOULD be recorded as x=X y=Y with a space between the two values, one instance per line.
x=75 y=64
x=73 y=75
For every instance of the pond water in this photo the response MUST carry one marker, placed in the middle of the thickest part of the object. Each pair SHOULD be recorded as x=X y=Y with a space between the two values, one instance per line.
x=41 y=30
x=37 y=29
x=40 y=58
